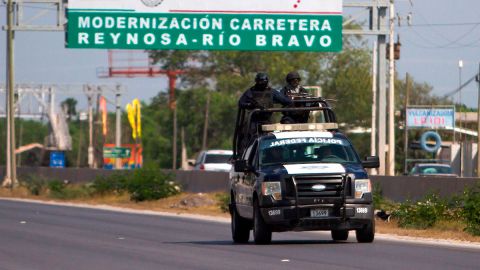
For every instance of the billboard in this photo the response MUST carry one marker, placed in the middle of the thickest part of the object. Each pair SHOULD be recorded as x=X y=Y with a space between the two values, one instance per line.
x=266 y=25
x=434 y=118
x=131 y=156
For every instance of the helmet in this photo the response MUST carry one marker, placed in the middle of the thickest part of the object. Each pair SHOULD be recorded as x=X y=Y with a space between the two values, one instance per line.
x=292 y=75
x=261 y=76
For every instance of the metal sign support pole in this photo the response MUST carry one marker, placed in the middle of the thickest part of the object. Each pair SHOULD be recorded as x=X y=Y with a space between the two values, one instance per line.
x=11 y=175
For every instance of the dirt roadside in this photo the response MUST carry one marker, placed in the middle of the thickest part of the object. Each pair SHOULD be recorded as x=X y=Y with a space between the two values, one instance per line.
x=209 y=204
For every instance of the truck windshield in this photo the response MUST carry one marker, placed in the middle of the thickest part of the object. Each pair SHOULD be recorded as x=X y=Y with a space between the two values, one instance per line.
x=306 y=150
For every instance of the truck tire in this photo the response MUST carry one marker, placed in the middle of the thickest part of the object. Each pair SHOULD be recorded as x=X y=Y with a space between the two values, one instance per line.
x=262 y=234
x=367 y=233
x=339 y=235
x=240 y=227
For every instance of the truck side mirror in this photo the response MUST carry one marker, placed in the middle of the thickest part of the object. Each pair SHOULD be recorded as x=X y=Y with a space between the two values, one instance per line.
x=240 y=165
x=371 y=162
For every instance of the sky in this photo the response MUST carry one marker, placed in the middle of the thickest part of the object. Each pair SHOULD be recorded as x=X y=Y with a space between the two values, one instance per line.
x=442 y=33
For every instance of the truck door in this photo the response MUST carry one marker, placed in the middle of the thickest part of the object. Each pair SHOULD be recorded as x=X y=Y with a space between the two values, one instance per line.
x=246 y=181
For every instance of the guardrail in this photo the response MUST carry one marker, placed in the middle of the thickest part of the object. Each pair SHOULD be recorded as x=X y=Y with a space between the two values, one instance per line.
x=395 y=188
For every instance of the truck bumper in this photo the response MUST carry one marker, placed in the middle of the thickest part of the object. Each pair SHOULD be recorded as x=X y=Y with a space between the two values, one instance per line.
x=303 y=218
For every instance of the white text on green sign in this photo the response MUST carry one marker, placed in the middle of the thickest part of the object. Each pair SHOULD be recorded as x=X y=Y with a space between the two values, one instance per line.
x=279 y=27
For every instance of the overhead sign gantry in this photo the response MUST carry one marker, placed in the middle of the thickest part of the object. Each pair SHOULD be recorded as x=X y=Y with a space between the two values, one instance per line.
x=267 y=25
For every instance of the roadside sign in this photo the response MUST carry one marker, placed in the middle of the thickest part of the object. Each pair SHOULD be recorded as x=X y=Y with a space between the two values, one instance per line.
x=434 y=118
x=267 y=25
x=116 y=152
x=57 y=159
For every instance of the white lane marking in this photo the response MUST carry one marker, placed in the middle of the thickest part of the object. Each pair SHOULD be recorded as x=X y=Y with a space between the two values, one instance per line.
x=23 y=222
x=285 y=260
x=121 y=238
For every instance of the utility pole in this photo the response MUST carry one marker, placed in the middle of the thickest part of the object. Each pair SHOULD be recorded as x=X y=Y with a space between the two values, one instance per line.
x=382 y=95
x=405 y=128
x=11 y=170
x=391 y=96
x=373 y=133
x=460 y=66
x=118 y=125
x=478 y=123
x=90 y=125
x=174 y=154
x=205 y=125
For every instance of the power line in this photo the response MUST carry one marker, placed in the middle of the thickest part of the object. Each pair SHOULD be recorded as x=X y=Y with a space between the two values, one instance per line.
x=444 y=24
x=450 y=43
x=449 y=94
x=442 y=35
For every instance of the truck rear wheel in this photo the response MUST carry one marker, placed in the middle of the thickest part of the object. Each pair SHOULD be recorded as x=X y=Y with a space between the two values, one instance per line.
x=367 y=233
x=339 y=235
x=240 y=227
x=262 y=234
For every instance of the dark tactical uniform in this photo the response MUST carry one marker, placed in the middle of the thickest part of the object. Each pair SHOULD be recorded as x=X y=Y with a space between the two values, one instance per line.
x=294 y=90
x=259 y=96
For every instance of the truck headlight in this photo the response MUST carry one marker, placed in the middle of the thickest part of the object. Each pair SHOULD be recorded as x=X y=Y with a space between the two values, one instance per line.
x=362 y=186
x=272 y=188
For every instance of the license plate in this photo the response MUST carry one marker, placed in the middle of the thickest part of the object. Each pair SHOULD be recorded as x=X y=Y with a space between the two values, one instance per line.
x=318 y=212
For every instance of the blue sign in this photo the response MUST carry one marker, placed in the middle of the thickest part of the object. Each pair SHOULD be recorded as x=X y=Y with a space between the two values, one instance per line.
x=433 y=118
x=57 y=159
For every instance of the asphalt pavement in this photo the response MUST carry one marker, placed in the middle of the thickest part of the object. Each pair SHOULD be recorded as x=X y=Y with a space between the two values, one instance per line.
x=38 y=236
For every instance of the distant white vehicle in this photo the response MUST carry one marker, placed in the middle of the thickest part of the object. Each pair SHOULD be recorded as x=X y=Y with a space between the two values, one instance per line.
x=213 y=160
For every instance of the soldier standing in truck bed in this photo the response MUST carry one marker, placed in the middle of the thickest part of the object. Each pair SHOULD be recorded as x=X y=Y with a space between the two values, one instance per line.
x=259 y=96
x=294 y=90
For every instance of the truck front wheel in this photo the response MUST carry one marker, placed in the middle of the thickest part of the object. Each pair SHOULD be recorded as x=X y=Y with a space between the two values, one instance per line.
x=240 y=227
x=262 y=234
x=367 y=233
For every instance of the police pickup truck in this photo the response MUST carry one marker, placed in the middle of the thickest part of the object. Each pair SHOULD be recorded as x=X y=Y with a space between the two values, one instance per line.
x=300 y=177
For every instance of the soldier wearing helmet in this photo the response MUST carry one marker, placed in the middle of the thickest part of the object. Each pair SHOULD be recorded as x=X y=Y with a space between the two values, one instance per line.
x=293 y=86
x=294 y=90
x=260 y=96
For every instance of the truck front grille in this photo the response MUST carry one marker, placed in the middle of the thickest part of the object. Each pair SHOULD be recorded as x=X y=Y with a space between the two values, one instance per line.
x=334 y=186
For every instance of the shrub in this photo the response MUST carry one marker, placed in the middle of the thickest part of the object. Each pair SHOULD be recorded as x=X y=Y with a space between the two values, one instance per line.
x=471 y=210
x=56 y=189
x=115 y=183
x=223 y=201
x=150 y=183
x=62 y=190
x=422 y=214
x=35 y=185
x=378 y=200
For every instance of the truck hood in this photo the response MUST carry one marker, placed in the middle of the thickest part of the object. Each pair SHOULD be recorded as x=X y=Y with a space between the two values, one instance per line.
x=316 y=168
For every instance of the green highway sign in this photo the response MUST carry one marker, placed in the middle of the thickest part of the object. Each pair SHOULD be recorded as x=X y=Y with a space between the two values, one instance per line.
x=116 y=152
x=267 y=25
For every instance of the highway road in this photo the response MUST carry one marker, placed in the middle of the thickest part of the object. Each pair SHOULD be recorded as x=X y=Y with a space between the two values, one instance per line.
x=38 y=236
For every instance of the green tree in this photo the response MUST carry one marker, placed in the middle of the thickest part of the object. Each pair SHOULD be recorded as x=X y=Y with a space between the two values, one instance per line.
x=70 y=106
